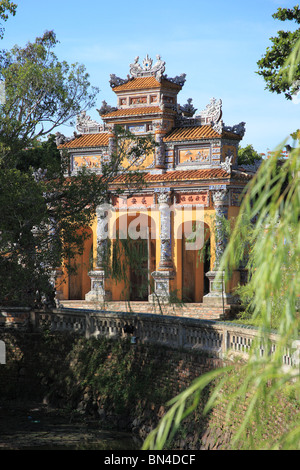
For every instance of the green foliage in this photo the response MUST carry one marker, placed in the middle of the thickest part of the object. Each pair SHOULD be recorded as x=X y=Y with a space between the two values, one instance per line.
x=273 y=199
x=41 y=209
x=247 y=155
x=41 y=155
x=271 y=208
x=180 y=407
x=6 y=7
x=272 y=64
x=41 y=93
x=111 y=372
x=41 y=216
x=22 y=207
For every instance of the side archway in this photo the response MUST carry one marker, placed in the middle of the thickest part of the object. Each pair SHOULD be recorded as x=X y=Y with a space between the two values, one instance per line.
x=79 y=280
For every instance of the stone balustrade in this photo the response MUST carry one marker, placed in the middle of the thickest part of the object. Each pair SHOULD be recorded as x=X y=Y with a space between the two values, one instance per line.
x=217 y=339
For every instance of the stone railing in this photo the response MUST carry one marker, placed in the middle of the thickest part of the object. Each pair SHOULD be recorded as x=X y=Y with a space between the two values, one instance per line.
x=217 y=339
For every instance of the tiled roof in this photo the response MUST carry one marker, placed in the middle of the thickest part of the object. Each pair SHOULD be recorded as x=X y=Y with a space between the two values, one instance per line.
x=178 y=134
x=133 y=111
x=146 y=82
x=191 y=133
x=87 y=140
x=197 y=132
x=181 y=175
x=231 y=135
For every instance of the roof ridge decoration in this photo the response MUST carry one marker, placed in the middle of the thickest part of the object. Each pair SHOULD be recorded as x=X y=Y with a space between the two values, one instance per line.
x=106 y=108
x=238 y=129
x=61 y=139
x=117 y=81
x=147 y=69
x=86 y=125
x=188 y=108
x=212 y=115
x=227 y=164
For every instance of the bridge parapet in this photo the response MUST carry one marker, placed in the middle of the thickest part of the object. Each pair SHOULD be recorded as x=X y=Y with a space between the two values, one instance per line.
x=215 y=338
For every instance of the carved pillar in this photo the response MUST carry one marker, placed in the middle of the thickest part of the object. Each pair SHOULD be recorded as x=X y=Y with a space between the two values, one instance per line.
x=159 y=150
x=220 y=200
x=217 y=293
x=160 y=146
x=165 y=273
x=97 y=275
x=111 y=143
x=165 y=262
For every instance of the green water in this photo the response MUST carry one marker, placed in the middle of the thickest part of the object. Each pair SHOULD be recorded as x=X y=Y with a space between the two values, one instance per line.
x=115 y=441
x=121 y=443
x=37 y=428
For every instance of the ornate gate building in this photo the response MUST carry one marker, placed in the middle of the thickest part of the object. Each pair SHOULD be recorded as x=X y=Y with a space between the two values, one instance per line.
x=191 y=178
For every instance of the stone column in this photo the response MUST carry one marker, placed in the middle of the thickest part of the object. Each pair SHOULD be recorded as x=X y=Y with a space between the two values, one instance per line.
x=159 y=150
x=111 y=140
x=98 y=292
x=159 y=133
x=165 y=273
x=217 y=294
x=220 y=200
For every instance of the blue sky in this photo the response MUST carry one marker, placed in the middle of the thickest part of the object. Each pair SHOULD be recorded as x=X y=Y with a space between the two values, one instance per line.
x=217 y=44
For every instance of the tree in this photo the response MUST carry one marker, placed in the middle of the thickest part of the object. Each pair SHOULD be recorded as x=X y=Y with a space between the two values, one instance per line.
x=247 y=155
x=6 y=7
x=273 y=63
x=41 y=93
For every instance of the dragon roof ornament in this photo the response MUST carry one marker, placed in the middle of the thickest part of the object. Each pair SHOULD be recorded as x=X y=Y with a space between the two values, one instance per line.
x=211 y=115
x=86 y=125
x=147 y=69
x=136 y=70
x=213 y=112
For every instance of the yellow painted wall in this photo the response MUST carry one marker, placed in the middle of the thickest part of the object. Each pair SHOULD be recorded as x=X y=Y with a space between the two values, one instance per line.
x=118 y=289
x=231 y=149
x=134 y=165
x=80 y=282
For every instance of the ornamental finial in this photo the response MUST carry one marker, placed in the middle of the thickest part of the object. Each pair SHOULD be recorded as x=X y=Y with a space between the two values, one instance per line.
x=157 y=70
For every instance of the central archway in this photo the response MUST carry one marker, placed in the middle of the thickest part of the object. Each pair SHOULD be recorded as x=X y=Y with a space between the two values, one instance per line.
x=194 y=261
x=133 y=257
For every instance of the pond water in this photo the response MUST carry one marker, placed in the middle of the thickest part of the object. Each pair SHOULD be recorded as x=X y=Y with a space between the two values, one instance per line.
x=25 y=428
x=114 y=442
x=58 y=439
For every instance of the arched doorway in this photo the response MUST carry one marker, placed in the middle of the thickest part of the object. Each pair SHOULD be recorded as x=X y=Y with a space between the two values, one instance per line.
x=79 y=280
x=133 y=257
x=138 y=269
x=195 y=262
